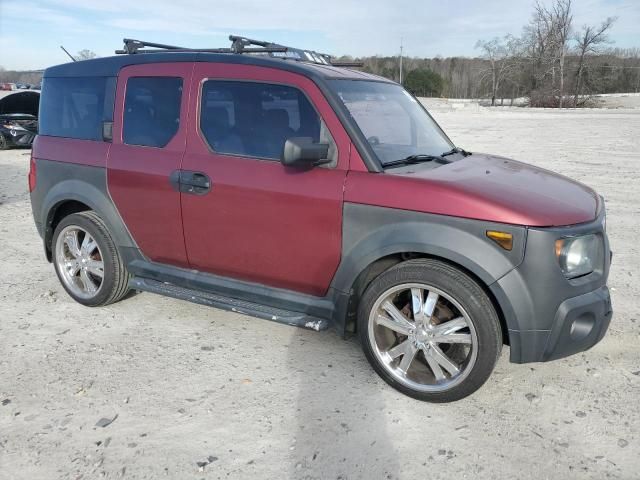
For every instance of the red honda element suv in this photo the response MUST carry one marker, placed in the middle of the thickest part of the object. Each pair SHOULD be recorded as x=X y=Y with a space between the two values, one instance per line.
x=270 y=181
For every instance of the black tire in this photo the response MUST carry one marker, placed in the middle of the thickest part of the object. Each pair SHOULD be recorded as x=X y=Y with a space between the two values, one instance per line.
x=115 y=282
x=4 y=145
x=467 y=293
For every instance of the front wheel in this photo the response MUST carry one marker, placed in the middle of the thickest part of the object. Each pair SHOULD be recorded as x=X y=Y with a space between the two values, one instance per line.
x=429 y=330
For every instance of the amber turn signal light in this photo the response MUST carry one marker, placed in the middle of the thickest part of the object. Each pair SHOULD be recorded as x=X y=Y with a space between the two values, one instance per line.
x=504 y=239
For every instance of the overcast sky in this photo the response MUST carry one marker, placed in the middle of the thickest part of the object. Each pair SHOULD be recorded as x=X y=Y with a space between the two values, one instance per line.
x=31 y=31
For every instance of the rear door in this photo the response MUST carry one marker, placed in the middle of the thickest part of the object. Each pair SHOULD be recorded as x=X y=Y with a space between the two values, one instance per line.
x=260 y=221
x=149 y=138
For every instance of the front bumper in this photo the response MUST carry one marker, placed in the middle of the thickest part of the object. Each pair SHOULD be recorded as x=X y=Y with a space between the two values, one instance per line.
x=580 y=322
x=548 y=316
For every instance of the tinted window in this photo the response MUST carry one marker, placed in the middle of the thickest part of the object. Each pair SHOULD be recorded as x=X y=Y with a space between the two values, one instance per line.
x=74 y=107
x=255 y=119
x=151 y=110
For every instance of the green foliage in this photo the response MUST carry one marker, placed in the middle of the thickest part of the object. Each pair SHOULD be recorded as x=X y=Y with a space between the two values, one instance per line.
x=423 y=82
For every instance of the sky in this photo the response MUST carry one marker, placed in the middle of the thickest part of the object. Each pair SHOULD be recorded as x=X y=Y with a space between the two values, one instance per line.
x=32 y=31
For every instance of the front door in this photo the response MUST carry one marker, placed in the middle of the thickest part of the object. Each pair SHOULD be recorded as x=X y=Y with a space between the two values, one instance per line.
x=259 y=221
x=149 y=138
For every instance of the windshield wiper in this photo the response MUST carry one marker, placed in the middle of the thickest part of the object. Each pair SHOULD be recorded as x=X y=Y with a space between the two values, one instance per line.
x=413 y=159
x=456 y=150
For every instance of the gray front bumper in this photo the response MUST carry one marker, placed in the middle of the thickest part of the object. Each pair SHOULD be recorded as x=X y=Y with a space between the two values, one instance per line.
x=580 y=322
x=548 y=316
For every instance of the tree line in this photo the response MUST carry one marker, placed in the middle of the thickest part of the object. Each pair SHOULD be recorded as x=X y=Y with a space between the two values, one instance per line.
x=610 y=71
x=553 y=62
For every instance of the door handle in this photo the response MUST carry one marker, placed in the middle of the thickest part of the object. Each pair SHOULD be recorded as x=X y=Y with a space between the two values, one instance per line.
x=194 y=183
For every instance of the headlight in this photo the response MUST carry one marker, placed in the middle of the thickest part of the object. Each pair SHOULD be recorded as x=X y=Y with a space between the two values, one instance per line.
x=579 y=256
x=14 y=129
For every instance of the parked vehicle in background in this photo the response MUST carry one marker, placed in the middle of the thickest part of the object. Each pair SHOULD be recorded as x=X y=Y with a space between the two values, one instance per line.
x=7 y=86
x=18 y=119
x=283 y=186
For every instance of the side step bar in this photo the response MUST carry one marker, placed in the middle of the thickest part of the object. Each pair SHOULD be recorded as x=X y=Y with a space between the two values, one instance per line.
x=295 y=319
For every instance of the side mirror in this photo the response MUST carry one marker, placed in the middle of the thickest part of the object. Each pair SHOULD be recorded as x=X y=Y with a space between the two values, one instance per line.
x=303 y=152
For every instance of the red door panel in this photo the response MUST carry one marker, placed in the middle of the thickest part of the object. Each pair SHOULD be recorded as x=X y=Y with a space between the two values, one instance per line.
x=262 y=222
x=138 y=176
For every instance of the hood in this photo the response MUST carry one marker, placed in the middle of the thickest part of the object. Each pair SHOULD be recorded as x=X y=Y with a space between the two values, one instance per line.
x=481 y=187
x=505 y=191
x=22 y=102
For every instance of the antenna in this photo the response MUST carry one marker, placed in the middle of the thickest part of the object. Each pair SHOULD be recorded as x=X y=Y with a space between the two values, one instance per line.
x=400 y=60
x=65 y=51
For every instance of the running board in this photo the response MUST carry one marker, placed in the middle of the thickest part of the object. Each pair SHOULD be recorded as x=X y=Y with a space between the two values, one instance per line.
x=287 y=317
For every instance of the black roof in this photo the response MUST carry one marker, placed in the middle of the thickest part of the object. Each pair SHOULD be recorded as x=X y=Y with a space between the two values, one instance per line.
x=110 y=66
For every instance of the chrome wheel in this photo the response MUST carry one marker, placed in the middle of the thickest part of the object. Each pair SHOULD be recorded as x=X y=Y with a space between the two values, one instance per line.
x=422 y=337
x=79 y=262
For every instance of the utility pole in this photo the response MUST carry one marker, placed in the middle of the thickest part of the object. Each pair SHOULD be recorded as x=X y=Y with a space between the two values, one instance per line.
x=400 y=60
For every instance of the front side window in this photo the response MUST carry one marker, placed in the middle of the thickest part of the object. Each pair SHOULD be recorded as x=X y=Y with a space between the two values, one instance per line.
x=256 y=119
x=393 y=122
x=151 y=110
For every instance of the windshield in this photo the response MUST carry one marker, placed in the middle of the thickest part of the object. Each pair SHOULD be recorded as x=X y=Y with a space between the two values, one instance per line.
x=393 y=122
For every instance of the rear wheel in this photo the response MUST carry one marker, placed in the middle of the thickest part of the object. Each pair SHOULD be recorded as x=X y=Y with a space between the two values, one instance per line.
x=87 y=261
x=429 y=330
x=3 y=142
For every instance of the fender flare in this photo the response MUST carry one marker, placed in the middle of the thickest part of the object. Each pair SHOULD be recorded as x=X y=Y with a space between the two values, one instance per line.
x=372 y=233
x=92 y=196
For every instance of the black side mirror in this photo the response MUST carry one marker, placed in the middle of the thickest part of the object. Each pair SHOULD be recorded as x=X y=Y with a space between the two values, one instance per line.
x=303 y=152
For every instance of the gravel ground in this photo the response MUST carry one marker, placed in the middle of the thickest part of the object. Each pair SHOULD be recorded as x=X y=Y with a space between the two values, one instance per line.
x=200 y=393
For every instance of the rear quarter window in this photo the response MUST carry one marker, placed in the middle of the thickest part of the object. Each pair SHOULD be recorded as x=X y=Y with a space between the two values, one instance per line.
x=76 y=107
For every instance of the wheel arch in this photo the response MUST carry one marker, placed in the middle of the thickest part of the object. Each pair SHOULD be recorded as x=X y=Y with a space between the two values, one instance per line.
x=73 y=196
x=376 y=238
x=55 y=215
x=380 y=265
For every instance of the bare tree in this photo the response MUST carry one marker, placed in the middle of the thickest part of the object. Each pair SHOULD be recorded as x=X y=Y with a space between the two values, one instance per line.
x=563 y=19
x=589 y=40
x=553 y=28
x=539 y=38
x=85 y=55
x=503 y=59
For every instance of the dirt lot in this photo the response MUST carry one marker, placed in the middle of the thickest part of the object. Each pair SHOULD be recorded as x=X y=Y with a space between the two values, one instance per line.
x=255 y=399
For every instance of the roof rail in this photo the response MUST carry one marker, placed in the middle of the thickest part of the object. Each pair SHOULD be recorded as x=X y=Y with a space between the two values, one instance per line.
x=239 y=45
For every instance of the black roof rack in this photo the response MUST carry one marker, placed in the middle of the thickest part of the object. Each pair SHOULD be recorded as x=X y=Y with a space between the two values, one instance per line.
x=239 y=45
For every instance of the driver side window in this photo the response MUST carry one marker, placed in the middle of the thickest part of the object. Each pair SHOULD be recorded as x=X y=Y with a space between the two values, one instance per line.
x=254 y=119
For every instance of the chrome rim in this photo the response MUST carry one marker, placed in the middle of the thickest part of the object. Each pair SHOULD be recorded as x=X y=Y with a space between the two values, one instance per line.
x=423 y=337
x=79 y=261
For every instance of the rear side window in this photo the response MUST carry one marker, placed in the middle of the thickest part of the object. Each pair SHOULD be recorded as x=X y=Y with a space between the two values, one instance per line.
x=255 y=119
x=74 y=107
x=151 y=110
